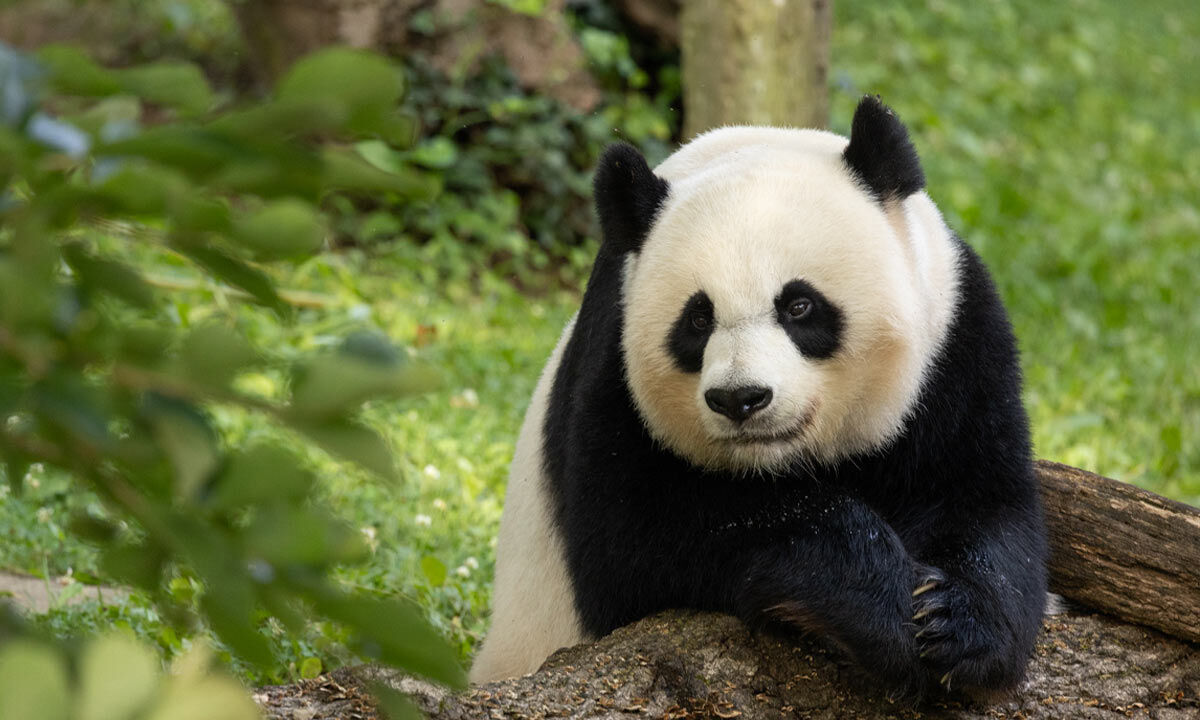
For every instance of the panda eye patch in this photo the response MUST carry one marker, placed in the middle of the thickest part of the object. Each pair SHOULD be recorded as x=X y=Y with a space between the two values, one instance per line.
x=689 y=335
x=811 y=320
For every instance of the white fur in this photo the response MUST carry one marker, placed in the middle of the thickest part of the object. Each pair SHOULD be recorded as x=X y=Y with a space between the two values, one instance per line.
x=749 y=210
x=533 y=604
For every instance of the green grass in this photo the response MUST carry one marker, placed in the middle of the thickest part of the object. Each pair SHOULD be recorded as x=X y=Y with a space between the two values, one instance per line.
x=1061 y=140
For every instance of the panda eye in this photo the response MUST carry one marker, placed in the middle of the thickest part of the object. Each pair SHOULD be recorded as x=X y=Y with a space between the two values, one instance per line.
x=799 y=308
x=699 y=321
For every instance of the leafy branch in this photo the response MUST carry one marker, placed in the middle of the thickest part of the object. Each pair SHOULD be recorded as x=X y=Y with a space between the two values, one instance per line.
x=97 y=380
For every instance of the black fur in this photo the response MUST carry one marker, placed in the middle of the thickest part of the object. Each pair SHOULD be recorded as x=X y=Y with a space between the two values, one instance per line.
x=880 y=153
x=819 y=333
x=628 y=195
x=950 y=507
x=687 y=341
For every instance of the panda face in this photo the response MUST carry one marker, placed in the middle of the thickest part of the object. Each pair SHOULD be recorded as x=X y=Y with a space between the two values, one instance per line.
x=776 y=311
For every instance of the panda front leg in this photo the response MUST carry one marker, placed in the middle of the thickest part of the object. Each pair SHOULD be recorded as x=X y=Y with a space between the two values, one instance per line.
x=978 y=606
x=843 y=574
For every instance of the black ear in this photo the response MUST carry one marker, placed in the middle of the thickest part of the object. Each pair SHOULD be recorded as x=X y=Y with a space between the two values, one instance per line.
x=628 y=196
x=880 y=153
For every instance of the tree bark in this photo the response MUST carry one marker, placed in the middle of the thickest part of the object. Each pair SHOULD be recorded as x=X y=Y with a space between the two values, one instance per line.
x=1120 y=549
x=1124 y=550
x=755 y=62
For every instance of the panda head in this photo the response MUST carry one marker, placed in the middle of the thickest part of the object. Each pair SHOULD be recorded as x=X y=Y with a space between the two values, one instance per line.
x=784 y=291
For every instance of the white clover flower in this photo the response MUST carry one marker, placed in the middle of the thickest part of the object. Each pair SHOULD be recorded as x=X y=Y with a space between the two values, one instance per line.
x=472 y=563
x=468 y=398
x=423 y=520
x=432 y=472
x=369 y=536
x=462 y=571
x=439 y=504
x=43 y=515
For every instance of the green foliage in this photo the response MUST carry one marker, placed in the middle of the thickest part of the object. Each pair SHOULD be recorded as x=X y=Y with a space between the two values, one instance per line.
x=114 y=677
x=516 y=168
x=103 y=382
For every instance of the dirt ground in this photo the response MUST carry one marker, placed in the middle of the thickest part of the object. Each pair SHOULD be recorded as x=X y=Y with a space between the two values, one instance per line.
x=34 y=594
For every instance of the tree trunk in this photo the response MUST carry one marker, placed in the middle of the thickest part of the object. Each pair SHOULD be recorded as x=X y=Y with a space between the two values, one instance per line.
x=1120 y=549
x=755 y=62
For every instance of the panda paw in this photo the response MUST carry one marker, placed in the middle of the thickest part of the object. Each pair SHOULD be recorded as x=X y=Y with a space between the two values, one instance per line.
x=945 y=631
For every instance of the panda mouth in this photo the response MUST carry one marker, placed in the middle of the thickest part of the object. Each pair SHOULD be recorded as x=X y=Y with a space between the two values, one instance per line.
x=788 y=434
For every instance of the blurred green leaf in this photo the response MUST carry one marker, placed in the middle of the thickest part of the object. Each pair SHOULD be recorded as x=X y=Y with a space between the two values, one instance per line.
x=196 y=151
x=72 y=72
x=285 y=536
x=434 y=570
x=364 y=368
x=139 y=564
x=143 y=344
x=310 y=667
x=213 y=354
x=108 y=276
x=174 y=84
x=239 y=274
x=79 y=411
x=117 y=677
x=365 y=88
x=410 y=643
x=381 y=155
x=260 y=474
x=142 y=190
x=15 y=467
x=437 y=153
x=228 y=606
x=188 y=439
x=199 y=214
x=351 y=441
x=282 y=229
x=394 y=704
x=281 y=119
x=194 y=692
x=91 y=528
x=273 y=170
x=346 y=171
x=33 y=682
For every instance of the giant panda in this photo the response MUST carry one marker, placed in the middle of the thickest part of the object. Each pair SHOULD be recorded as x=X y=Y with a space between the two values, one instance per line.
x=790 y=393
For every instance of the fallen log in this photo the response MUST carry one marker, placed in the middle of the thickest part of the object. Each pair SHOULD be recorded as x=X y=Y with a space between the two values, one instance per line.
x=1120 y=550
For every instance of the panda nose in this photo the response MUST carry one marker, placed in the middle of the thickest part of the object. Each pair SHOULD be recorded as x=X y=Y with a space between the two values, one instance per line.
x=737 y=404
